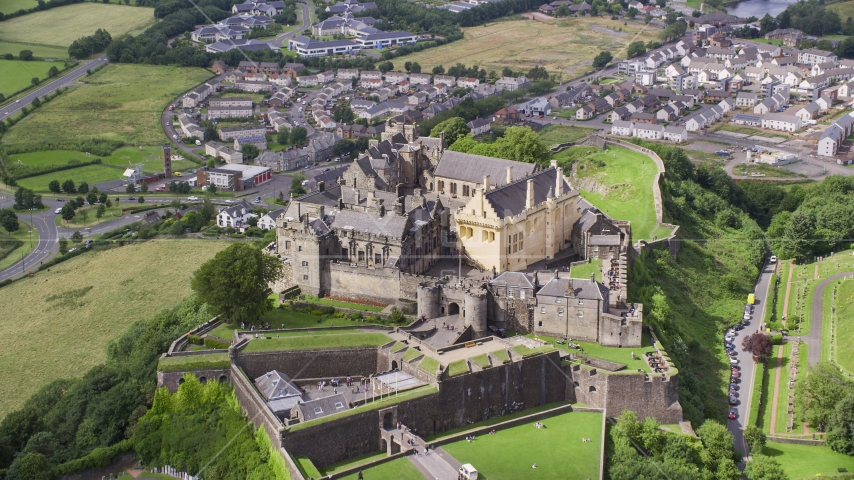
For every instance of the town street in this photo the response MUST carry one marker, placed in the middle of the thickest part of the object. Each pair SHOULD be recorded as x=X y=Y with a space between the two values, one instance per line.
x=51 y=87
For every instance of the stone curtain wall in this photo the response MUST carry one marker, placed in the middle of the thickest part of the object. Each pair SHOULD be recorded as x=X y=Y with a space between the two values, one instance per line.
x=311 y=363
x=171 y=380
x=255 y=406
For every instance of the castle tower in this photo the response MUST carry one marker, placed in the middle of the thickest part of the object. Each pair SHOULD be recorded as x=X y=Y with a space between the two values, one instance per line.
x=428 y=301
x=167 y=161
x=475 y=311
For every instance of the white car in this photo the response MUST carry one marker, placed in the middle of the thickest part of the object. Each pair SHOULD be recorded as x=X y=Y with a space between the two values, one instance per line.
x=773 y=258
x=57 y=211
x=193 y=199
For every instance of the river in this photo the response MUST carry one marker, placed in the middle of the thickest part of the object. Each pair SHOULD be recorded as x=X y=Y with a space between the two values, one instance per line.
x=758 y=8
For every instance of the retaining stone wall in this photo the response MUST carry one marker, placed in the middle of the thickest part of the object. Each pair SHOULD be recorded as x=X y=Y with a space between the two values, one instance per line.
x=171 y=380
x=256 y=408
x=311 y=363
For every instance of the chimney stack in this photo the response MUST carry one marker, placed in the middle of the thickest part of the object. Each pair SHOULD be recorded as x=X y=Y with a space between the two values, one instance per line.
x=357 y=200
x=486 y=183
x=529 y=202
x=340 y=204
x=509 y=174
x=321 y=186
x=558 y=182
x=398 y=207
x=593 y=276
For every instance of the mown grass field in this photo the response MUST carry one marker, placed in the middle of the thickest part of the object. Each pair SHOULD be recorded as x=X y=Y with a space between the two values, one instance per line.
x=91 y=219
x=41 y=51
x=565 y=46
x=63 y=319
x=125 y=157
x=557 y=449
x=12 y=6
x=90 y=174
x=628 y=178
x=313 y=340
x=120 y=102
x=803 y=461
x=555 y=134
x=18 y=74
x=60 y=26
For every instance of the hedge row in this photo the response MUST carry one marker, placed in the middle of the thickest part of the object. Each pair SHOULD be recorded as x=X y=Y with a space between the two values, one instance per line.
x=33 y=171
x=100 y=457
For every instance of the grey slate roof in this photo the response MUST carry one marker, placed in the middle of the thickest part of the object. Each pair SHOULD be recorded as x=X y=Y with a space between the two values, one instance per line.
x=514 y=279
x=582 y=288
x=472 y=168
x=322 y=407
x=510 y=199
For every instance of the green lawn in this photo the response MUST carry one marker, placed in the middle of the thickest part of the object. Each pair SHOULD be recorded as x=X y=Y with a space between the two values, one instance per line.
x=307 y=468
x=844 y=323
x=429 y=364
x=62 y=25
x=91 y=219
x=12 y=6
x=352 y=462
x=78 y=314
x=314 y=341
x=481 y=360
x=782 y=393
x=411 y=354
x=125 y=157
x=17 y=74
x=526 y=351
x=339 y=303
x=397 y=469
x=22 y=234
x=195 y=362
x=555 y=134
x=802 y=461
x=284 y=318
x=610 y=354
x=584 y=271
x=557 y=449
x=628 y=175
x=501 y=355
x=494 y=421
x=41 y=51
x=121 y=103
x=457 y=368
x=91 y=174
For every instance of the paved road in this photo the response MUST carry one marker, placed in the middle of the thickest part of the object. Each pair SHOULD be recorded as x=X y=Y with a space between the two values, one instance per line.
x=816 y=317
x=305 y=22
x=51 y=87
x=748 y=366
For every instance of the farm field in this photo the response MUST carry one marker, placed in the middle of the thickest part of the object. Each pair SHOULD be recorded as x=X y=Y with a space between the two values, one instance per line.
x=12 y=6
x=125 y=157
x=565 y=46
x=75 y=21
x=803 y=461
x=91 y=174
x=119 y=103
x=41 y=51
x=17 y=74
x=557 y=449
x=82 y=304
x=626 y=178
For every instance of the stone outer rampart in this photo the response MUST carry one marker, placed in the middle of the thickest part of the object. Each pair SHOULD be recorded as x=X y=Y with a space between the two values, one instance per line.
x=311 y=363
x=171 y=380
x=256 y=408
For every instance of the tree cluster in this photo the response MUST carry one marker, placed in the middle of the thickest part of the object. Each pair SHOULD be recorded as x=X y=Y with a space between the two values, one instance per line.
x=9 y=220
x=86 y=46
x=26 y=199
x=670 y=455
x=468 y=110
x=518 y=143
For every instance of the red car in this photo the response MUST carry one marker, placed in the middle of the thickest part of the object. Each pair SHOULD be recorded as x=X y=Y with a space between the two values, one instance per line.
x=735 y=373
x=732 y=414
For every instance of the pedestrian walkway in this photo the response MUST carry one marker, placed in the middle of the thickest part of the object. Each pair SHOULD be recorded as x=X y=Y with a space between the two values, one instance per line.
x=776 y=387
x=435 y=464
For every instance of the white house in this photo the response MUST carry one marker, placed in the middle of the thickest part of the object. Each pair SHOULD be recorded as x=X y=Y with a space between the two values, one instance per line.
x=781 y=121
x=234 y=215
x=745 y=99
x=649 y=131
x=268 y=220
x=675 y=133
x=622 y=128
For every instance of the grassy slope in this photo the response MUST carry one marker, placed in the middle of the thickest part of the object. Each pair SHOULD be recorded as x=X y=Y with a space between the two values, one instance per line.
x=18 y=73
x=566 y=45
x=63 y=318
x=844 y=9
x=20 y=252
x=76 y=21
x=557 y=449
x=704 y=288
x=90 y=174
x=555 y=134
x=629 y=177
x=121 y=102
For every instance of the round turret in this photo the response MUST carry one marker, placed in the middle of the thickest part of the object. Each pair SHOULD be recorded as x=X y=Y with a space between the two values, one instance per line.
x=428 y=301
x=476 y=309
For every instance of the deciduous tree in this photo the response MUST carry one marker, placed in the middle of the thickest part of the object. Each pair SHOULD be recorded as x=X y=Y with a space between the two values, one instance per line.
x=762 y=467
x=759 y=345
x=236 y=281
x=453 y=129
x=54 y=186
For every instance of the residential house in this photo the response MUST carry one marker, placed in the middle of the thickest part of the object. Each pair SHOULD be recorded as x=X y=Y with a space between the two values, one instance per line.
x=745 y=99
x=479 y=126
x=780 y=121
x=673 y=133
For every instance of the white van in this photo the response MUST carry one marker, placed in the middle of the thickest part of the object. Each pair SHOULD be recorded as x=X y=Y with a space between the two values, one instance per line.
x=467 y=472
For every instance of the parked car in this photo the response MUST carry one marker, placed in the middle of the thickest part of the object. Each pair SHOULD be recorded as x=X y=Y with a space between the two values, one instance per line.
x=773 y=258
x=131 y=198
x=193 y=199
x=733 y=400
x=732 y=414
x=733 y=361
x=59 y=199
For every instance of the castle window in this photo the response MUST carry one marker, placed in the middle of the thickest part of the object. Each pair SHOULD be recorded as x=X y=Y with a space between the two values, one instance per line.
x=557 y=301
x=540 y=323
x=580 y=313
x=344 y=253
x=542 y=309
x=304 y=263
x=522 y=294
x=299 y=248
x=378 y=258
x=559 y=312
x=510 y=293
x=581 y=301
x=305 y=277
x=361 y=256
